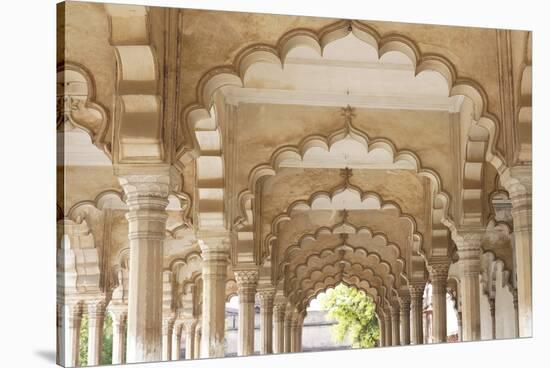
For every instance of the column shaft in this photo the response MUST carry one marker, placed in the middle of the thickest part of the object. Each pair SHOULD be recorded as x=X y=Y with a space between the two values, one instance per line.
x=395 y=330
x=197 y=344
x=388 y=325
x=469 y=268
x=288 y=326
x=146 y=196
x=71 y=321
x=176 y=341
x=215 y=253
x=119 y=336
x=279 y=328
x=382 y=327
x=405 y=316
x=190 y=327
x=439 y=273
x=417 y=329
x=516 y=312
x=167 y=330
x=96 y=316
x=246 y=282
x=266 y=320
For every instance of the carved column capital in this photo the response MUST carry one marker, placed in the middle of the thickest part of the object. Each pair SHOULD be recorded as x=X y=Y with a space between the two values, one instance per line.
x=417 y=290
x=266 y=297
x=246 y=284
x=168 y=325
x=96 y=308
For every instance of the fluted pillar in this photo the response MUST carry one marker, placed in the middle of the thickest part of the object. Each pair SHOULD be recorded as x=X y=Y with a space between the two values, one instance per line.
x=405 y=318
x=176 y=341
x=417 y=298
x=247 y=280
x=96 y=317
x=518 y=182
x=395 y=328
x=147 y=198
x=388 y=326
x=119 y=316
x=70 y=319
x=190 y=325
x=439 y=273
x=215 y=252
x=279 y=327
x=167 y=330
x=266 y=320
x=469 y=262
x=288 y=326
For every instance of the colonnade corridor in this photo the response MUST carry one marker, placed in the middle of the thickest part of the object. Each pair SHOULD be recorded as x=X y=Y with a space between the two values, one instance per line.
x=218 y=190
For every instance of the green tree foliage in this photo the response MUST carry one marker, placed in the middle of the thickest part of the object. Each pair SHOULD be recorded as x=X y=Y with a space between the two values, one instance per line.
x=107 y=348
x=355 y=313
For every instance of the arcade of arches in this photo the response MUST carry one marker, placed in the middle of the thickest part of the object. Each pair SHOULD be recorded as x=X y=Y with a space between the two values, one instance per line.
x=208 y=154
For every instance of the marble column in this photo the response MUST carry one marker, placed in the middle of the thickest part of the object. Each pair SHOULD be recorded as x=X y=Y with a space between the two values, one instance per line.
x=469 y=253
x=147 y=198
x=279 y=328
x=388 y=326
x=215 y=252
x=176 y=341
x=493 y=318
x=247 y=280
x=119 y=316
x=405 y=317
x=299 y=330
x=167 y=330
x=266 y=320
x=288 y=326
x=516 y=312
x=439 y=273
x=197 y=343
x=417 y=297
x=520 y=189
x=96 y=317
x=190 y=326
x=382 y=328
x=71 y=318
x=395 y=314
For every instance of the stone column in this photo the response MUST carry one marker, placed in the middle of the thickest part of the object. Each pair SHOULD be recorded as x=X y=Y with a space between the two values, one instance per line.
x=388 y=325
x=190 y=326
x=382 y=327
x=71 y=317
x=197 y=343
x=417 y=298
x=96 y=316
x=294 y=333
x=147 y=198
x=516 y=312
x=459 y=323
x=279 y=328
x=215 y=252
x=405 y=316
x=518 y=182
x=266 y=320
x=395 y=314
x=288 y=327
x=119 y=316
x=176 y=341
x=439 y=273
x=247 y=280
x=167 y=330
x=493 y=319
x=299 y=330
x=469 y=252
